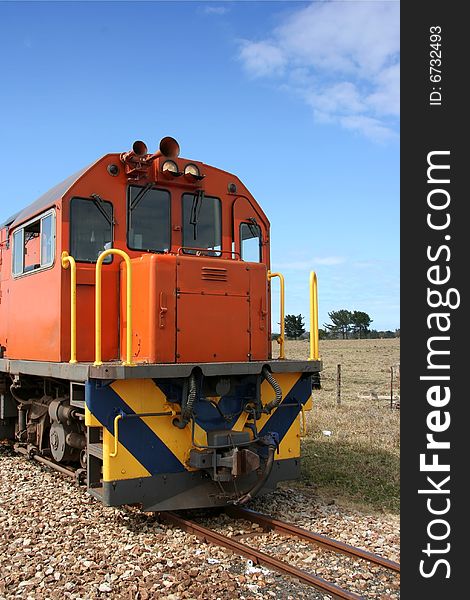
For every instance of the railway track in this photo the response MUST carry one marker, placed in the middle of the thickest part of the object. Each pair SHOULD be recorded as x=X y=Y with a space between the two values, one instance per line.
x=269 y=524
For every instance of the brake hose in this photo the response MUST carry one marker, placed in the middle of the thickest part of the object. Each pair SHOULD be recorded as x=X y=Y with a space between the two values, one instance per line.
x=260 y=483
x=277 y=390
x=187 y=407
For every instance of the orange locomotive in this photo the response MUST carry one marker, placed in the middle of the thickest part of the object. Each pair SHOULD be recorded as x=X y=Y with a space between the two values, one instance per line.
x=135 y=335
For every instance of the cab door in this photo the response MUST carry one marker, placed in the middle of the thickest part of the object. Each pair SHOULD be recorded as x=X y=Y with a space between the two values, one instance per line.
x=251 y=245
x=3 y=295
x=245 y=213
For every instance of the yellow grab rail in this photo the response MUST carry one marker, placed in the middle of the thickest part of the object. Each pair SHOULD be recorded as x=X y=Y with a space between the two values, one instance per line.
x=67 y=260
x=314 y=353
x=303 y=432
x=282 y=291
x=128 y=362
x=117 y=418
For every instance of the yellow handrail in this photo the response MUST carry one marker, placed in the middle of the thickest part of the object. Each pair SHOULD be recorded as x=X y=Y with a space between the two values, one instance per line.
x=66 y=261
x=303 y=433
x=128 y=362
x=314 y=354
x=282 y=290
x=117 y=418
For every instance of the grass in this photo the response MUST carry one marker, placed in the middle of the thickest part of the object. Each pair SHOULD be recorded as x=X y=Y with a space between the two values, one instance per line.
x=353 y=474
x=358 y=464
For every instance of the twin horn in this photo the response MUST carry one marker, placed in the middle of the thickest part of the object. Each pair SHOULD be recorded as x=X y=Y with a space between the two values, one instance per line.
x=168 y=147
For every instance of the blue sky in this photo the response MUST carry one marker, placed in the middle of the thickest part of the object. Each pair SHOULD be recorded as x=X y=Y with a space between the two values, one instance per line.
x=299 y=99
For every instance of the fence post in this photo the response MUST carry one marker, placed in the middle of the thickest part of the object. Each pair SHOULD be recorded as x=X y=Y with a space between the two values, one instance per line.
x=338 y=385
x=391 y=387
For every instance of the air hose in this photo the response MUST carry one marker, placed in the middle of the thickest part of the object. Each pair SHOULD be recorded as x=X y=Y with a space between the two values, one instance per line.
x=187 y=406
x=277 y=390
x=260 y=483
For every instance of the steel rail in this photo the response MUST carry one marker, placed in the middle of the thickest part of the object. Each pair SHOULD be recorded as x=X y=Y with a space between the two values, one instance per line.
x=316 y=538
x=258 y=557
x=45 y=461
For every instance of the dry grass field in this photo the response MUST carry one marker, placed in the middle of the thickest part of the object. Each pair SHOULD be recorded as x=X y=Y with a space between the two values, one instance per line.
x=358 y=464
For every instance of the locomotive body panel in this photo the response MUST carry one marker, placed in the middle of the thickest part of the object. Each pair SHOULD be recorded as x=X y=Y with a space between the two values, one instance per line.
x=212 y=310
x=154 y=308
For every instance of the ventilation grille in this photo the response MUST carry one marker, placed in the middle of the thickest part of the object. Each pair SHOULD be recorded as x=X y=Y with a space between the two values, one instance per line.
x=214 y=274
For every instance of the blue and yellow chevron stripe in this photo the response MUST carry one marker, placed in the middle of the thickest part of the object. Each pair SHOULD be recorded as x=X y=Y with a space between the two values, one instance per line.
x=150 y=446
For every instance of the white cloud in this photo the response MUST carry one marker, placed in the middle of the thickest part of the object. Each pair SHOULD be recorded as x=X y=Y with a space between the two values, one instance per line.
x=368 y=126
x=352 y=37
x=385 y=99
x=215 y=10
x=262 y=58
x=329 y=260
x=341 y=58
x=342 y=97
x=311 y=264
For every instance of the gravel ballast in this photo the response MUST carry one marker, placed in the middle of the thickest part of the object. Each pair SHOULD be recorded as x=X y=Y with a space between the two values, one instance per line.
x=58 y=542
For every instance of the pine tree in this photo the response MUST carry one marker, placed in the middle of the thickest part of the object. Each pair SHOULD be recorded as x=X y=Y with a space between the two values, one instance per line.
x=294 y=326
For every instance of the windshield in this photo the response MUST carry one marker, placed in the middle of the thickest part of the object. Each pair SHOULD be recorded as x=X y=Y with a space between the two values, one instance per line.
x=202 y=223
x=148 y=223
x=91 y=229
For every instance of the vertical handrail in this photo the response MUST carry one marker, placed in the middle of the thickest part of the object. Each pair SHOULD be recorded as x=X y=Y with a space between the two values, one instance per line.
x=128 y=362
x=303 y=433
x=314 y=344
x=117 y=418
x=67 y=260
x=282 y=303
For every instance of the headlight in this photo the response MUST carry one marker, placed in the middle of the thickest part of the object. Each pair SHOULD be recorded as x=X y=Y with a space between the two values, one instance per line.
x=170 y=166
x=191 y=170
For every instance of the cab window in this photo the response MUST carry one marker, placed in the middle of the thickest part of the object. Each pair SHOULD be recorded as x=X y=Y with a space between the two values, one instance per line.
x=91 y=228
x=250 y=242
x=34 y=245
x=47 y=241
x=202 y=224
x=148 y=219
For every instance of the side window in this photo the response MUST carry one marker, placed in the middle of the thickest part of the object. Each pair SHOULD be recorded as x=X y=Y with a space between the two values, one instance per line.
x=250 y=242
x=34 y=245
x=47 y=241
x=202 y=223
x=91 y=228
x=148 y=219
x=18 y=251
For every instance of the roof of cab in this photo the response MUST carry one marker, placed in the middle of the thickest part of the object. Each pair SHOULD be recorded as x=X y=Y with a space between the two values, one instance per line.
x=44 y=201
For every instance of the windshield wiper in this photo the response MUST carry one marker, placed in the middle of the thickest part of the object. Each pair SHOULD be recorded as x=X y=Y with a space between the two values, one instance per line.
x=99 y=203
x=253 y=227
x=140 y=196
x=196 y=210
